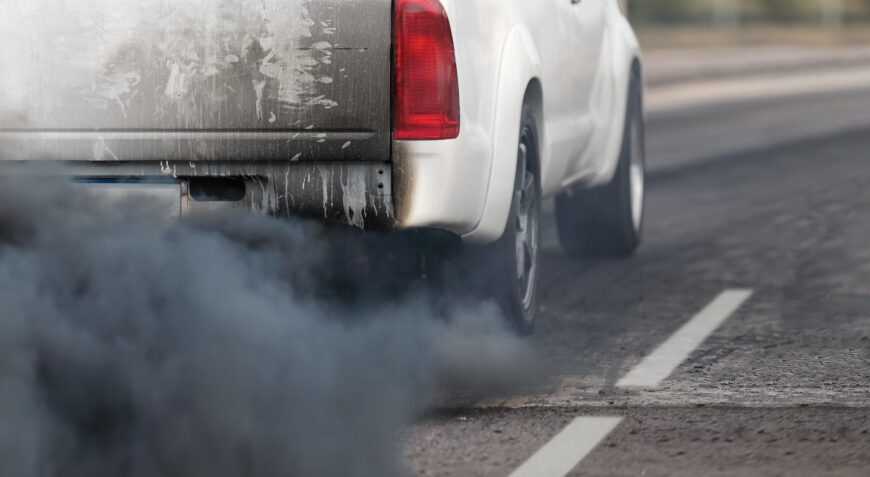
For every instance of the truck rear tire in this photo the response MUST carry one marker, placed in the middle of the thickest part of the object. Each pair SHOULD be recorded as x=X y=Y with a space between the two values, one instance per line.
x=513 y=261
x=607 y=221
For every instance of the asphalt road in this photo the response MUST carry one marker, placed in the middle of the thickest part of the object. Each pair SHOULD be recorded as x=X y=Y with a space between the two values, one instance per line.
x=780 y=382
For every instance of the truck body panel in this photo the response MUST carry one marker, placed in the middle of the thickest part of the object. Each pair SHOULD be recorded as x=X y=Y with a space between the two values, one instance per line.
x=195 y=80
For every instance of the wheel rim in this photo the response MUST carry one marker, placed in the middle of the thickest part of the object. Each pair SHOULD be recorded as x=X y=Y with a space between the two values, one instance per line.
x=636 y=177
x=527 y=230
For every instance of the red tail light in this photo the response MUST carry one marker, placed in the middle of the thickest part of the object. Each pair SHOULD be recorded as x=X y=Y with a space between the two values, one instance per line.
x=427 y=88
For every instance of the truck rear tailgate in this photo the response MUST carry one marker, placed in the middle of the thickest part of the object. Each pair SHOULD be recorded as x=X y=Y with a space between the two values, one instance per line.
x=154 y=80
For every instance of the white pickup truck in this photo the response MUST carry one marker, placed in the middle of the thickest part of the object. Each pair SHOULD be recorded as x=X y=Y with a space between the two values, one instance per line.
x=457 y=115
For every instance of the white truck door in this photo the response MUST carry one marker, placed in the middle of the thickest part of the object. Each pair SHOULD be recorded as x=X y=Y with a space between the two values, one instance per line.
x=572 y=68
x=588 y=19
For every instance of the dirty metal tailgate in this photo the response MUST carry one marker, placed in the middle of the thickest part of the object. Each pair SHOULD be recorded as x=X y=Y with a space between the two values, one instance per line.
x=195 y=80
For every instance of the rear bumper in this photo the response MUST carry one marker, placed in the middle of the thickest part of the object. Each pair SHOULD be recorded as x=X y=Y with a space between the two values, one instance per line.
x=444 y=185
x=354 y=193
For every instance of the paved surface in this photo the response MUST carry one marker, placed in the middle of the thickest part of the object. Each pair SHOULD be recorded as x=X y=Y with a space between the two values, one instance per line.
x=716 y=101
x=680 y=137
x=682 y=65
x=781 y=388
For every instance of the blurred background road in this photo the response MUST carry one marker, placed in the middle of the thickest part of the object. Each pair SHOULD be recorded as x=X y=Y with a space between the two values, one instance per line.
x=705 y=103
x=736 y=342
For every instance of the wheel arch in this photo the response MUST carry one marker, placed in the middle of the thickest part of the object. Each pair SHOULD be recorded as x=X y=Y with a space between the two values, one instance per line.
x=518 y=81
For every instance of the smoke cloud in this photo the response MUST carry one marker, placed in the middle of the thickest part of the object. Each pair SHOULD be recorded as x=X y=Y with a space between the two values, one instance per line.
x=224 y=346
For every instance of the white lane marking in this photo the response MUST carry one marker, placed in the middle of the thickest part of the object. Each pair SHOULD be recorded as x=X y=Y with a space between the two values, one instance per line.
x=568 y=448
x=559 y=456
x=665 y=359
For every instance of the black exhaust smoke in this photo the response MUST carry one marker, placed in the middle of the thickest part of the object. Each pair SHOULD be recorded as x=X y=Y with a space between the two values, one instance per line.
x=134 y=348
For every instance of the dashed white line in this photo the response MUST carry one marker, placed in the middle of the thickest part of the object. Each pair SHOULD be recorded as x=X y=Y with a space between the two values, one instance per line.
x=559 y=456
x=665 y=359
x=568 y=448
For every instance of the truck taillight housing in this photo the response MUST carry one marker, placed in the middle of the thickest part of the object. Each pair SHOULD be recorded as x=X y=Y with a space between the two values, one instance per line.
x=426 y=102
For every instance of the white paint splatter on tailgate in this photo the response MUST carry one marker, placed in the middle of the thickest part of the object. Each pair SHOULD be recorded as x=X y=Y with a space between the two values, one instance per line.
x=324 y=176
x=354 y=197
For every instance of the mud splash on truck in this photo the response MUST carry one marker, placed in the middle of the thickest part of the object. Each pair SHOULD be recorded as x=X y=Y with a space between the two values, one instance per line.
x=224 y=347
